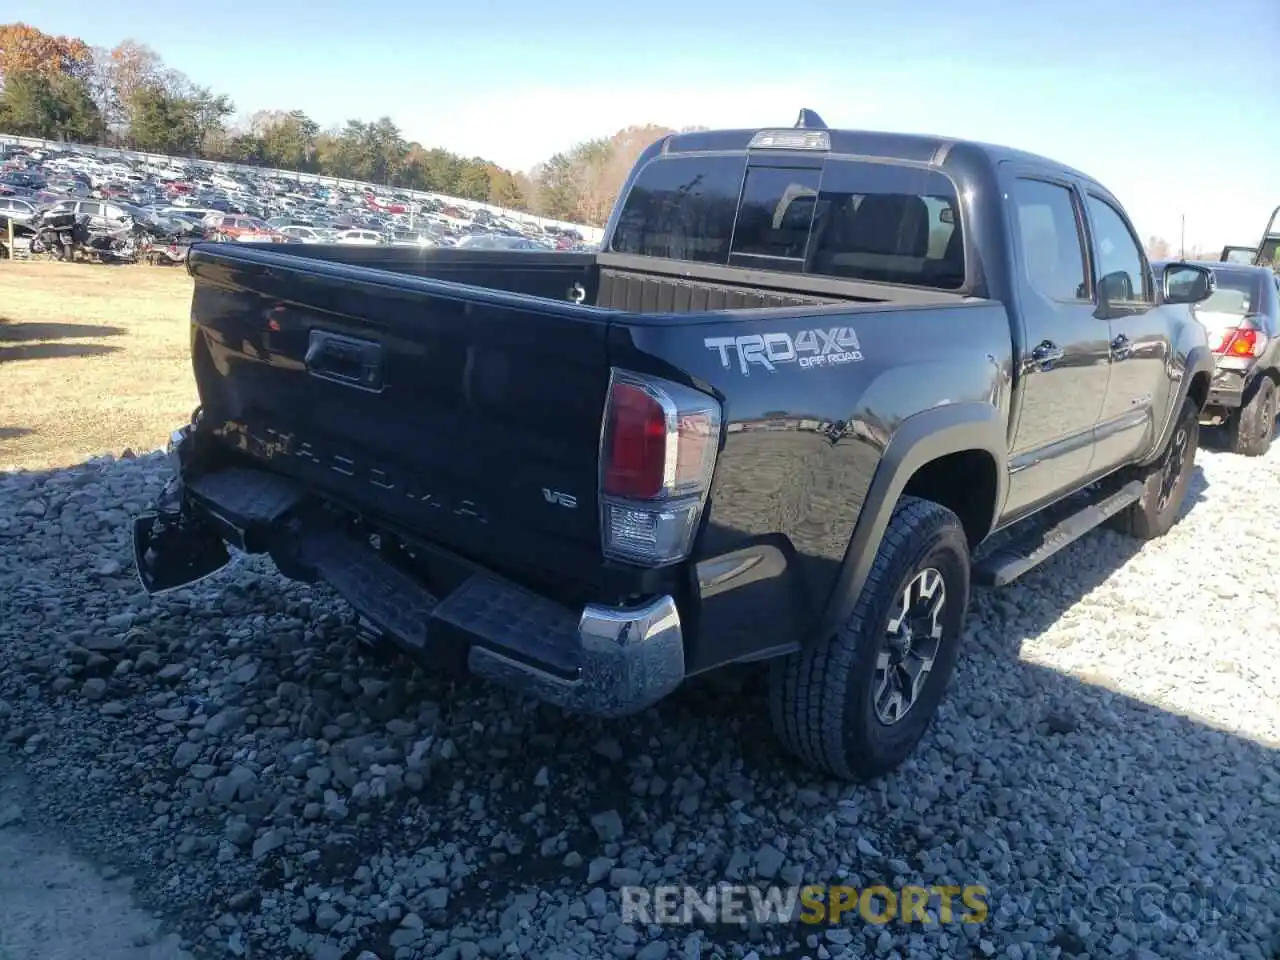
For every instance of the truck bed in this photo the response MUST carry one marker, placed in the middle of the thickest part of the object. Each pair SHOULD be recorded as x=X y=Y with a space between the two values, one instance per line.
x=459 y=394
x=607 y=281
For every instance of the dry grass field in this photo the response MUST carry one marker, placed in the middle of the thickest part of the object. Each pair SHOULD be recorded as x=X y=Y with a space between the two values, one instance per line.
x=93 y=359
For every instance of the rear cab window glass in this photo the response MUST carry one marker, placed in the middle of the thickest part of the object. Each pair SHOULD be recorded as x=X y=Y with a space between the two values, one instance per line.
x=776 y=212
x=888 y=223
x=682 y=208
x=855 y=220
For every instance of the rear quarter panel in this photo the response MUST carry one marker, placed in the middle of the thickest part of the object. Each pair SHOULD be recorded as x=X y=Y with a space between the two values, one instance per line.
x=804 y=439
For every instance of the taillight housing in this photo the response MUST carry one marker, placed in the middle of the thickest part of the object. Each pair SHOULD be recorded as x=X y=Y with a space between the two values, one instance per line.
x=1242 y=342
x=658 y=451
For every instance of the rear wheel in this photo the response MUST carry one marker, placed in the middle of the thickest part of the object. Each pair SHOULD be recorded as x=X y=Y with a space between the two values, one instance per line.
x=1165 y=482
x=855 y=704
x=1250 y=428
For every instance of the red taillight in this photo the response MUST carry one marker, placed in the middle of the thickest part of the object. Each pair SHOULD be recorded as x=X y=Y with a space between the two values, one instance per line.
x=1239 y=343
x=637 y=456
x=657 y=456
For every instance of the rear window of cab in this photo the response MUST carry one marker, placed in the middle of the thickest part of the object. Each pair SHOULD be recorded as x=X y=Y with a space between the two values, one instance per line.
x=880 y=222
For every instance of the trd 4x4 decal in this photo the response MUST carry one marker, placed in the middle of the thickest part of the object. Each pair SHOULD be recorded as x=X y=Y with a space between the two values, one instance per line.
x=808 y=348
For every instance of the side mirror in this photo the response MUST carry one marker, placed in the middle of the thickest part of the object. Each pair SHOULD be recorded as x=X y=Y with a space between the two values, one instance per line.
x=1184 y=283
x=1115 y=286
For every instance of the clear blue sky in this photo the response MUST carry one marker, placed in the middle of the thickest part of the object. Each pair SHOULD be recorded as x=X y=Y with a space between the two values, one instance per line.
x=1174 y=106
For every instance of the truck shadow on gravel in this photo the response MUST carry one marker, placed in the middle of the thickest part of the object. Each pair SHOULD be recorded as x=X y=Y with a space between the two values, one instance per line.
x=276 y=790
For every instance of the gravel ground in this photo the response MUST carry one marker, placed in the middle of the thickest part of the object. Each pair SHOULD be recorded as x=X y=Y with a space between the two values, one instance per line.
x=269 y=790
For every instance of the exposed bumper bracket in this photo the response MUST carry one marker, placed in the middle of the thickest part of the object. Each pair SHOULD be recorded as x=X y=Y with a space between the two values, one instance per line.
x=629 y=659
x=171 y=551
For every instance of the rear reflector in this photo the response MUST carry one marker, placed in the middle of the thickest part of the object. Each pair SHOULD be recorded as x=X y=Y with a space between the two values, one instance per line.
x=658 y=453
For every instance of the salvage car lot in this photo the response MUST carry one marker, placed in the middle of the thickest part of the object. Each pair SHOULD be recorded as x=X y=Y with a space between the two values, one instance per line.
x=1111 y=732
x=177 y=200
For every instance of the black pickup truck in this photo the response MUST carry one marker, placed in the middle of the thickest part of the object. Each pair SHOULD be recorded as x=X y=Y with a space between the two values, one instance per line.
x=780 y=415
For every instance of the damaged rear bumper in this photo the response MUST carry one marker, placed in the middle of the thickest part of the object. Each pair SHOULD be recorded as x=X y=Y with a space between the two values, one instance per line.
x=1231 y=379
x=600 y=660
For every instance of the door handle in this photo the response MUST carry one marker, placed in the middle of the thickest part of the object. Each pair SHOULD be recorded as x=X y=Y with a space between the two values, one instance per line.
x=1121 y=347
x=1046 y=354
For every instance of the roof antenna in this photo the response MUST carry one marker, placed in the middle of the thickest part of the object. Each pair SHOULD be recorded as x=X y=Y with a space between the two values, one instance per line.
x=809 y=120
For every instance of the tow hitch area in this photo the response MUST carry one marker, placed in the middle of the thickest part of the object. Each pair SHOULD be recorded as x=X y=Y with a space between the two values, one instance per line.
x=171 y=551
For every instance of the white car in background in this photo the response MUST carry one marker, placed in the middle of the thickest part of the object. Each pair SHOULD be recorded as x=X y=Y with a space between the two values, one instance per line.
x=363 y=238
x=309 y=234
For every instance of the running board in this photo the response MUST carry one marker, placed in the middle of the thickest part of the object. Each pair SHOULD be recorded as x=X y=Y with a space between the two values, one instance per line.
x=1008 y=563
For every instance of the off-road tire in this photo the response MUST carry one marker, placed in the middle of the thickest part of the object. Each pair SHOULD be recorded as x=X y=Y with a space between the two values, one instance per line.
x=1148 y=518
x=821 y=699
x=1250 y=428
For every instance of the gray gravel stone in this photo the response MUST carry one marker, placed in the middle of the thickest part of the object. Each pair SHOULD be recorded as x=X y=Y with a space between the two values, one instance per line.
x=281 y=792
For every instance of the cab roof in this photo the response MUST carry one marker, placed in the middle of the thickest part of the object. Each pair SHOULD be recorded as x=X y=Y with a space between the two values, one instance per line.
x=877 y=144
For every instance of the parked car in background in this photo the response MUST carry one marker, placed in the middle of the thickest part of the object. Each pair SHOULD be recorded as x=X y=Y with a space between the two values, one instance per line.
x=1242 y=321
x=17 y=209
x=363 y=238
x=242 y=229
x=309 y=234
x=1266 y=253
x=493 y=241
x=1268 y=250
x=101 y=215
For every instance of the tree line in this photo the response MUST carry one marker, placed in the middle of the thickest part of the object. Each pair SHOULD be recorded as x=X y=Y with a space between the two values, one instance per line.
x=60 y=88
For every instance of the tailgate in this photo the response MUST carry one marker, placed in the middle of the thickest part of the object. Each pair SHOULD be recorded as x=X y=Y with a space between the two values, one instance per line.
x=467 y=415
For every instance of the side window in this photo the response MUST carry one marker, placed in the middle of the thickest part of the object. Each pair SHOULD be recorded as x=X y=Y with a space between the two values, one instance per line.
x=1120 y=262
x=92 y=209
x=1049 y=240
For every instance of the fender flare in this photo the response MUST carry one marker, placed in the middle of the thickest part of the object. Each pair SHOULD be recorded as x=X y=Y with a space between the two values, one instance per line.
x=1200 y=360
x=919 y=440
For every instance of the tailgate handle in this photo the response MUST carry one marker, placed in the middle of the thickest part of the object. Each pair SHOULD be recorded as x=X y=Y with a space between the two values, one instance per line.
x=345 y=360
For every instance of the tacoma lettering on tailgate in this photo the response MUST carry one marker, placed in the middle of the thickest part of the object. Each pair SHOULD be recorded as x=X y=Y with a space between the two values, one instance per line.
x=278 y=443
